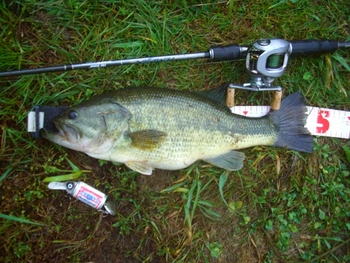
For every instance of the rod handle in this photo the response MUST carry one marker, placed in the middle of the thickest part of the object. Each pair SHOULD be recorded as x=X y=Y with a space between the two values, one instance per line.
x=227 y=53
x=309 y=47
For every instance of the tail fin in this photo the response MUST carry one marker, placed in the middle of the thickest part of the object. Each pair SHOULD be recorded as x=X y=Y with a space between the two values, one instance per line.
x=290 y=120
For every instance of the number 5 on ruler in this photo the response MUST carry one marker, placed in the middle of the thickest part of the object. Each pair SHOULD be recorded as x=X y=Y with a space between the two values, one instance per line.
x=322 y=123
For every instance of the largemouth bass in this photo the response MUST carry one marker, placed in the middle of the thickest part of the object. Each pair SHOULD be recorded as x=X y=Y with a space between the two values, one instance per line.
x=147 y=128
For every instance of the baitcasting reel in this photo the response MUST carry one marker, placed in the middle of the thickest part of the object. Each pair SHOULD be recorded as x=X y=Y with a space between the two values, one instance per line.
x=266 y=60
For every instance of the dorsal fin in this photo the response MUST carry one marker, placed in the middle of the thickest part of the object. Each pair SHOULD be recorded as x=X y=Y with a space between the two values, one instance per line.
x=218 y=94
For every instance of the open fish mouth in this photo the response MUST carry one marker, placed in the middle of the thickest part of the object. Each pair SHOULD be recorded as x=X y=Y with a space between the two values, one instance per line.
x=61 y=132
x=68 y=132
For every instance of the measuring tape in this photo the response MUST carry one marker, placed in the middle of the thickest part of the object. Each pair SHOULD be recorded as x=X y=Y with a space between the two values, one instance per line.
x=320 y=121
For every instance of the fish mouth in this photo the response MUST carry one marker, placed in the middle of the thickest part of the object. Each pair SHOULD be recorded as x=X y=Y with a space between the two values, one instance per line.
x=61 y=133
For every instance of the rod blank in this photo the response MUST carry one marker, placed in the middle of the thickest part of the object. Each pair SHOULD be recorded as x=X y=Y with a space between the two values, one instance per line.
x=102 y=64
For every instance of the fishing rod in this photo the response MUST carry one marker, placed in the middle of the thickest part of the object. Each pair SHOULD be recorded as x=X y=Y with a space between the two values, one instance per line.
x=266 y=59
x=270 y=47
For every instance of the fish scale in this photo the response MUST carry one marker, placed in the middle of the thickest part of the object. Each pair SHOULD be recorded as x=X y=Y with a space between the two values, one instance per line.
x=148 y=128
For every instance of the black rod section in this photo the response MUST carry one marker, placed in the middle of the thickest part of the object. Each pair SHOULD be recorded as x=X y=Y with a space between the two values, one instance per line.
x=309 y=47
x=102 y=64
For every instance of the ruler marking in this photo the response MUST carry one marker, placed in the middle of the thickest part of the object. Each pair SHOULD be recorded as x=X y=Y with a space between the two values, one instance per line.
x=320 y=121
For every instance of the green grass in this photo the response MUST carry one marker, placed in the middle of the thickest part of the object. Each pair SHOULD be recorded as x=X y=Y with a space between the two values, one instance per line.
x=283 y=206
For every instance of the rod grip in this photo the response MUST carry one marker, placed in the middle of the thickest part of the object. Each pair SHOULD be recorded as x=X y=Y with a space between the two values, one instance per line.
x=309 y=47
x=226 y=53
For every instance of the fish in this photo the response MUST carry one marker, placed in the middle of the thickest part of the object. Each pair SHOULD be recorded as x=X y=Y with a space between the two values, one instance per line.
x=159 y=128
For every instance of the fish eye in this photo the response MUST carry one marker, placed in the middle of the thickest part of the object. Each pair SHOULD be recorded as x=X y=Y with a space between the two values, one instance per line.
x=72 y=114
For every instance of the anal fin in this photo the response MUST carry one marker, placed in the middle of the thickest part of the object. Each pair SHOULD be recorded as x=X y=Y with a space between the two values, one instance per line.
x=232 y=161
x=141 y=167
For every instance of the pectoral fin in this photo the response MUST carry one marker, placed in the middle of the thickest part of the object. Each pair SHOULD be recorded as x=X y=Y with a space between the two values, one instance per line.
x=147 y=140
x=141 y=167
x=231 y=161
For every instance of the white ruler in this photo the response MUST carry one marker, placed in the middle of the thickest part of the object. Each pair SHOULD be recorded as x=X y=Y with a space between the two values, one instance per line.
x=320 y=121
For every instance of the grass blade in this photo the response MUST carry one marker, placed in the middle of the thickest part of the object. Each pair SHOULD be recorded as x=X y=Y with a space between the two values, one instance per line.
x=222 y=182
x=19 y=219
x=6 y=173
x=347 y=152
x=66 y=177
x=341 y=60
